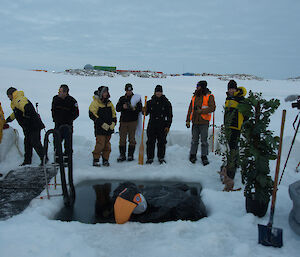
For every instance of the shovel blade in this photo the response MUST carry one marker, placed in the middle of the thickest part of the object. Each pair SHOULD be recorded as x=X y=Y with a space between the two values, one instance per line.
x=269 y=236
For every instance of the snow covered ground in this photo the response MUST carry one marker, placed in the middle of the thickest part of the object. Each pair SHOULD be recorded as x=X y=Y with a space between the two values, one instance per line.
x=227 y=231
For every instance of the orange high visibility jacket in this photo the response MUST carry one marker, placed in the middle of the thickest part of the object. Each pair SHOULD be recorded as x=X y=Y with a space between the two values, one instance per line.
x=204 y=106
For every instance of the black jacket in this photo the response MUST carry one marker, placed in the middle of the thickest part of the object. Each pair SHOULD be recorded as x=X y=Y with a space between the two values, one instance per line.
x=160 y=110
x=130 y=114
x=64 y=111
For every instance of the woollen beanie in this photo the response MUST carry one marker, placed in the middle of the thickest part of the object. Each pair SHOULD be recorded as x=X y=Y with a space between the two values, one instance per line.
x=232 y=84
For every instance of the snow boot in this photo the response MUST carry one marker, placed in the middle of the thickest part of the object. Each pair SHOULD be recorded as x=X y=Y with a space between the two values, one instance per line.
x=122 y=156
x=96 y=163
x=193 y=158
x=25 y=163
x=105 y=163
x=42 y=162
x=204 y=160
x=149 y=161
x=131 y=149
x=161 y=160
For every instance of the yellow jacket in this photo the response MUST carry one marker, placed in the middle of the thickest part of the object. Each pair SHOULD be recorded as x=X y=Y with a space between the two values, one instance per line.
x=24 y=113
x=232 y=117
x=100 y=113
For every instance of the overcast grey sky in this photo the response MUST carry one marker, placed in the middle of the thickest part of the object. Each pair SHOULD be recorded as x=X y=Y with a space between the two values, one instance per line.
x=259 y=37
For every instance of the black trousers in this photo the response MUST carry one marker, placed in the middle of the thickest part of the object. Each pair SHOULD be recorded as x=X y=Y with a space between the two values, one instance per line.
x=32 y=140
x=66 y=135
x=156 y=133
x=232 y=136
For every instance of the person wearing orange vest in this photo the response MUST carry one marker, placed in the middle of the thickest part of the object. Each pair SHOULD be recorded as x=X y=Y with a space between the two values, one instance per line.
x=199 y=113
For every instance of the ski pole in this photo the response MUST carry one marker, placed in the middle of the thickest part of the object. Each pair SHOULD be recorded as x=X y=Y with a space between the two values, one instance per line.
x=293 y=141
x=37 y=110
x=297 y=167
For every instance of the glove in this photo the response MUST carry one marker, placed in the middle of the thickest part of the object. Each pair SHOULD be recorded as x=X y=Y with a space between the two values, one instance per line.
x=144 y=109
x=188 y=124
x=167 y=130
x=8 y=120
x=105 y=126
x=112 y=126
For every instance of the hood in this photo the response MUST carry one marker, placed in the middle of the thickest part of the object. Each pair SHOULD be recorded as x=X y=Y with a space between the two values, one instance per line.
x=241 y=91
x=101 y=90
x=17 y=94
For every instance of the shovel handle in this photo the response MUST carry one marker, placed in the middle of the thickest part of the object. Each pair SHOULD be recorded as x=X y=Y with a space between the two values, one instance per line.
x=277 y=170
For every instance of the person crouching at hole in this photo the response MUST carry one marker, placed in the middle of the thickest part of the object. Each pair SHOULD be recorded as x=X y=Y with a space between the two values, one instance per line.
x=103 y=113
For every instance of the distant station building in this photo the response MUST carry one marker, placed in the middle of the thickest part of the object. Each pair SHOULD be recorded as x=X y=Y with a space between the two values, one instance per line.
x=88 y=67
x=103 y=68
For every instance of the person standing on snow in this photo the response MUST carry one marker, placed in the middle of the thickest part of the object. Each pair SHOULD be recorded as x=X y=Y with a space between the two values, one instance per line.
x=233 y=120
x=64 y=112
x=199 y=112
x=128 y=122
x=160 y=110
x=29 y=120
x=103 y=113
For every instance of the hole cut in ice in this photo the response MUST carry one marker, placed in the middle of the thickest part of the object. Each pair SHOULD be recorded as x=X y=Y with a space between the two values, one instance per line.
x=166 y=201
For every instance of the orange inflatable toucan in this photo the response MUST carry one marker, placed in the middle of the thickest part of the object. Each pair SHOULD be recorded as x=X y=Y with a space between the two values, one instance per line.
x=128 y=201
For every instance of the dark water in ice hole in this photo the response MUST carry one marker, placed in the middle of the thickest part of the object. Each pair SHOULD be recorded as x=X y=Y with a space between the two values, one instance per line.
x=86 y=207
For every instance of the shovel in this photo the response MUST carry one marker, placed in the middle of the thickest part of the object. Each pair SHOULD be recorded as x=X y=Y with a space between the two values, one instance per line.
x=268 y=235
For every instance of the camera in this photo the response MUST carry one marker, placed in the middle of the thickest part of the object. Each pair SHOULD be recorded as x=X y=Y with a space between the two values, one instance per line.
x=296 y=104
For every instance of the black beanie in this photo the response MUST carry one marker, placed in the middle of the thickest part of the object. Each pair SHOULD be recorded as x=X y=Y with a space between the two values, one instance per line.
x=128 y=87
x=11 y=90
x=232 y=84
x=202 y=84
x=158 y=88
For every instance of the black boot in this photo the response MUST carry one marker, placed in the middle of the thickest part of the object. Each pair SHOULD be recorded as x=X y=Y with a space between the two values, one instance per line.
x=96 y=163
x=193 y=158
x=131 y=149
x=25 y=162
x=149 y=161
x=42 y=162
x=105 y=162
x=122 y=156
x=204 y=160
x=161 y=160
